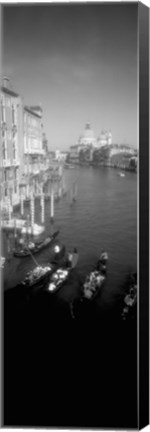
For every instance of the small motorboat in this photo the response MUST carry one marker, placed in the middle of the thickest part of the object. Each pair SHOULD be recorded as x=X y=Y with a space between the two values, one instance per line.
x=62 y=274
x=95 y=279
x=38 y=274
x=130 y=299
x=34 y=248
x=121 y=174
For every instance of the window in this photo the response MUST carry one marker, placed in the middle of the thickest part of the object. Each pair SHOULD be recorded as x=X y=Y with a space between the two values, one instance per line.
x=14 y=152
x=14 y=114
x=4 y=145
x=4 y=152
x=9 y=134
x=5 y=175
x=17 y=174
x=8 y=102
x=3 y=111
x=25 y=143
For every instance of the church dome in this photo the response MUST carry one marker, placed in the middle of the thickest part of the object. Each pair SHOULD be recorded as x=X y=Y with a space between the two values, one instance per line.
x=88 y=132
x=88 y=136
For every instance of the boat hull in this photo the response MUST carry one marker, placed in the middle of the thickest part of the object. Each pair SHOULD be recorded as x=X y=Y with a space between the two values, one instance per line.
x=94 y=294
x=38 y=282
x=63 y=282
x=37 y=249
x=94 y=281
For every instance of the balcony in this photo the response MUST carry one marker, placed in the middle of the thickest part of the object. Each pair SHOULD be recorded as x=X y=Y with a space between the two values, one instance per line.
x=36 y=151
x=15 y=162
x=14 y=127
x=6 y=163
x=4 y=125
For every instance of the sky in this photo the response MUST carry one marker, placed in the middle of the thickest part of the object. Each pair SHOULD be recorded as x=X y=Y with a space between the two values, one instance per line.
x=79 y=61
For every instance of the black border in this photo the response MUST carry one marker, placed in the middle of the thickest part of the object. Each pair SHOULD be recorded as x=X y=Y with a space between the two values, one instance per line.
x=143 y=16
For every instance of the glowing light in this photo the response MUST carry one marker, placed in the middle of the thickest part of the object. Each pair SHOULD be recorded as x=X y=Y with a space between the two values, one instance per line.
x=57 y=249
x=51 y=287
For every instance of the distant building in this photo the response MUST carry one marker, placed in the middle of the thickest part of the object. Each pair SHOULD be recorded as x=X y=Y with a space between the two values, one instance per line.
x=83 y=149
x=44 y=143
x=11 y=141
x=75 y=151
x=60 y=156
x=105 y=138
x=88 y=137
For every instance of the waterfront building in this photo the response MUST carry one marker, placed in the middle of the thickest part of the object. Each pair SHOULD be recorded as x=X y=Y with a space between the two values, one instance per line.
x=88 y=137
x=122 y=148
x=75 y=151
x=105 y=138
x=35 y=149
x=45 y=159
x=87 y=144
x=60 y=156
x=24 y=147
x=44 y=143
x=133 y=163
x=33 y=140
x=11 y=142
x=84 y=145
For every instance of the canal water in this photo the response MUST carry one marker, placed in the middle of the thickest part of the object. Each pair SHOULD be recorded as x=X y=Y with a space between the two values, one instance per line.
x=104 y=216
x=64 y=372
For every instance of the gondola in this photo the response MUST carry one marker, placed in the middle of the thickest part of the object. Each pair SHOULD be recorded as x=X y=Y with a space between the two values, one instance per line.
x=95 y=279
x=62 y=274
x=34 y=248
x=130 y=299
x=39 y=274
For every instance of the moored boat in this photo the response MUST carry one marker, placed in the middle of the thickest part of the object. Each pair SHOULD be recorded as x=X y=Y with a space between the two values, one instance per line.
x=62 y=274
x=96 y=278
x=130 y=299
x=37 y=275
x=34 y=248
x=121 y=174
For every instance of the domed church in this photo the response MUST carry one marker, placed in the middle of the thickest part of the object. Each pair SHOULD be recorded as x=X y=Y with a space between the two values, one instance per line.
x=104 y=139
x=88 y=137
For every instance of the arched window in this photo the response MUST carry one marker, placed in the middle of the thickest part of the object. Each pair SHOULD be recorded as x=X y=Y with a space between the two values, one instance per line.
x=3 y=109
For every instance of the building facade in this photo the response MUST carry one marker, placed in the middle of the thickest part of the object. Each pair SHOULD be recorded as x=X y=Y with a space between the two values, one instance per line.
x=24 y=146
x=33 y=141
x=88 y=137
x=60 y=156
x=11 y=142
x=105 y=138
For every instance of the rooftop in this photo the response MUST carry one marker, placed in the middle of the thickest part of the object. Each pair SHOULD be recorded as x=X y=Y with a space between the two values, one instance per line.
x=9 y=92
x=30 y=110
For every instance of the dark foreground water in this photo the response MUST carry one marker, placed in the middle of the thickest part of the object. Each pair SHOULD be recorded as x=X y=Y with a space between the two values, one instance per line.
x=77 y=372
